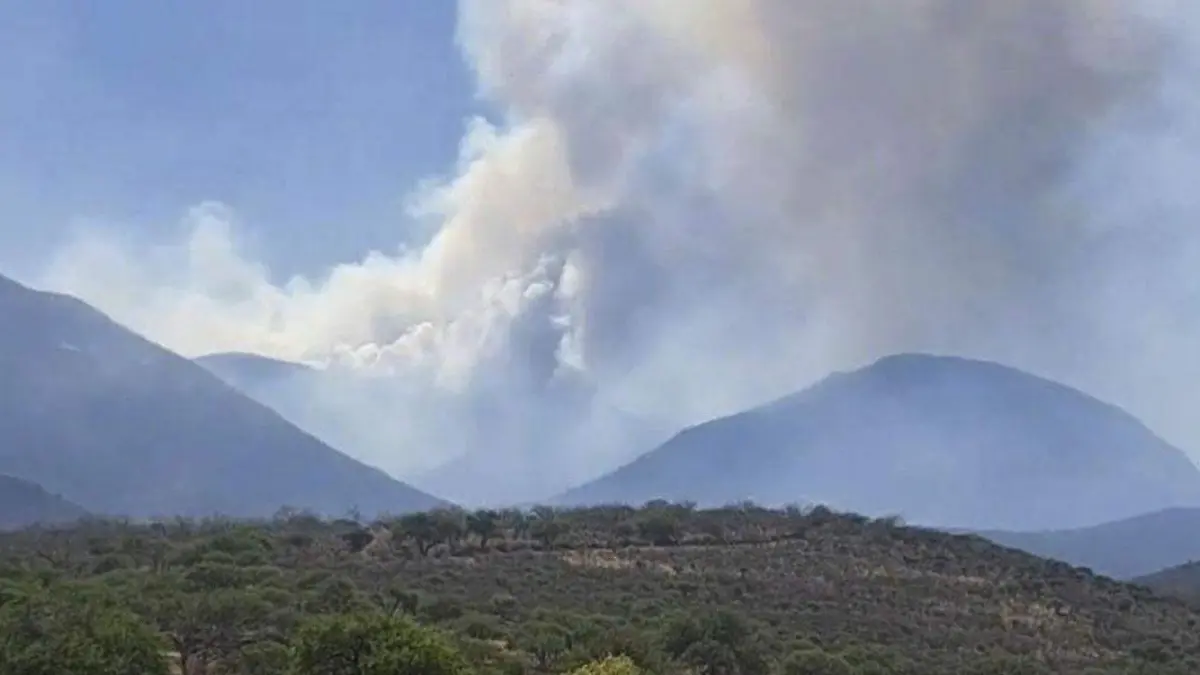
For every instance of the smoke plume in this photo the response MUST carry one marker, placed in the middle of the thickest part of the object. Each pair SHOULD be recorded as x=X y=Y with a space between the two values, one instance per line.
x=691 y=207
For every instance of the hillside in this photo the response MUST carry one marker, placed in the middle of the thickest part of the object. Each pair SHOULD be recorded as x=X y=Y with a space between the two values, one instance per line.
x=1124 y=549
x=942 y=441
x=119 y=425
x=542 y=437
x=739 y=590
x=1179 y=580
x=23 y=503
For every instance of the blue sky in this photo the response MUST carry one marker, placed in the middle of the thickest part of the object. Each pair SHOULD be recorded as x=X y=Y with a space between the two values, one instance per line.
x=312 y=119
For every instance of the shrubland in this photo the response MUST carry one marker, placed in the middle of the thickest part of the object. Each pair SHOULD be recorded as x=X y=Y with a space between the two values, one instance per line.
x=660 y=589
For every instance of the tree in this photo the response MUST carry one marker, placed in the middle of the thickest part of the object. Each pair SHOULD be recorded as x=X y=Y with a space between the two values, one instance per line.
x=372 y=644
x=546 y=526
x=660 y=528
x=816 y=662
x=421 y=528
x=449 y=526
x=208 y=614
x=517 y=521
x=613 y=665
x=483 y=524
x=547 y=643
x=74 y=629
x=394 y=599
x=1005 y=664
x=357 y=539
x=720 y=643
x=336 y=595
x=548 y=531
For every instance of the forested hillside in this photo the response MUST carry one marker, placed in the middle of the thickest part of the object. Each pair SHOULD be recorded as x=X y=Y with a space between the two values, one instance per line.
x=739 y=590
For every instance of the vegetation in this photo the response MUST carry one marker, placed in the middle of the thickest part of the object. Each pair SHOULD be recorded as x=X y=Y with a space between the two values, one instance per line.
x=613 y=590
x=69 y=628
x=1180 y=580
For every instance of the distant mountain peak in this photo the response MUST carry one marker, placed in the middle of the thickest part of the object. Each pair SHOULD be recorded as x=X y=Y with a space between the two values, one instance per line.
x=250 y=359
x=243 y=369
x=942 y=440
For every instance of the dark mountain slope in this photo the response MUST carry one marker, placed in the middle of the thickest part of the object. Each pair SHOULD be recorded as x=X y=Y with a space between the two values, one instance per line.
x=23 y=503
x=1123 y=549
x=1181 y=580
x=938 y=440
x=94 y=412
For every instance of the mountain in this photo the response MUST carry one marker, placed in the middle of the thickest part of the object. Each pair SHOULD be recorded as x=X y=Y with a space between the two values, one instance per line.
x=250 y=371
x=23 y=503
x=120 y=425
x=509 y=443
x=1181 y=580
x=943 y=441
x=1124 y=549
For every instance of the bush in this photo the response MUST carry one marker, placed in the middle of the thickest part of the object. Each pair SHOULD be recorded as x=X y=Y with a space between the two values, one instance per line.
x=613 y=665
x=372 y=644
x=817 y=662
x=74 y=630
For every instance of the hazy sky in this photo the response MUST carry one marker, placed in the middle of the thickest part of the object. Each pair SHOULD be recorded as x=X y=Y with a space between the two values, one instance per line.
x=313 y=118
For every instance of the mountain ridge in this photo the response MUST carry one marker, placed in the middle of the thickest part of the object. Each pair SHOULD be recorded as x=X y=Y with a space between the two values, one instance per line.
x=945 y=441
x=24 y=503
x=240 y=368
x=1181 y=580
x=123 y=426
x=1124 y=549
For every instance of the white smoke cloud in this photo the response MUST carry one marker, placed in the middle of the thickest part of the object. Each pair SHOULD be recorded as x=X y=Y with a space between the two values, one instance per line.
x=700 y=205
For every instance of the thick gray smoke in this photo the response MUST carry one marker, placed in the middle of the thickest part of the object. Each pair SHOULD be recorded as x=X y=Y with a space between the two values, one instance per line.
x=691 y=207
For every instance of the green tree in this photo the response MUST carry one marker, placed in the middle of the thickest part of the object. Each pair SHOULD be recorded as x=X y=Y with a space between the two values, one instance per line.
x=546 y=526
x=209 y=613
x=449 y=525
x=357 y=539
x=372 y=644
x=721 y=643
x=483 y=524
x=74 y=629
x=816 y=662
x=613 y=665
x=660 y=527
x=517 y=521
x=336 y=595
x=1005 y=664
x=395 y=599
x=421 y=528
x=547 y=643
